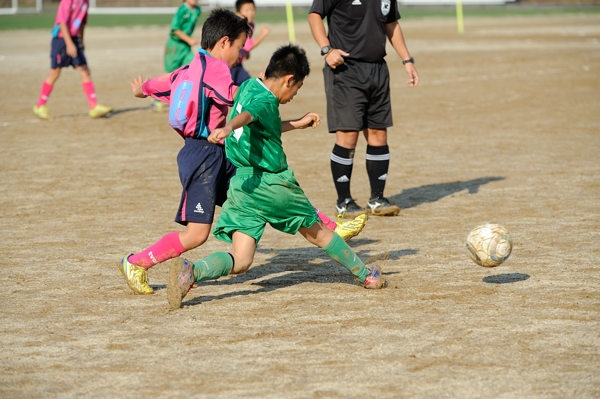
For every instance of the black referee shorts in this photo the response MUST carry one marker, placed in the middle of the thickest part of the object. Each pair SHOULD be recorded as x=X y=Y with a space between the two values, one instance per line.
x=358 y=96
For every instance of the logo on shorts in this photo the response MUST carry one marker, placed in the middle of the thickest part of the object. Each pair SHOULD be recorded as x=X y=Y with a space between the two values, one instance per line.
x=199 y=208
x=385 y=7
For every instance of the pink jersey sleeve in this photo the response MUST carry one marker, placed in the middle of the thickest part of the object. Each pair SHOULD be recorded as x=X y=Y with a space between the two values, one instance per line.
x=219 y=88
x=159 y=88
x=248 y=45
x=219 y=84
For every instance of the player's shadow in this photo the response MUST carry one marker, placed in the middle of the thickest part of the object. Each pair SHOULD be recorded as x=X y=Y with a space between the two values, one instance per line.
x=506 y=278
x=116 y=112
x=415 y=196
x=109 y=115
x=292 y=267
x=301 y=253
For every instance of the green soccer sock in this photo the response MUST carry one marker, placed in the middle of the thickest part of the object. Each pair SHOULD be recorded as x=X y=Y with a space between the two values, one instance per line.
x=213 y=266
x=340 y=252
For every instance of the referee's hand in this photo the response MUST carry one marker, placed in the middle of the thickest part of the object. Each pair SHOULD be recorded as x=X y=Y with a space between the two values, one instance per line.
x=335 y=57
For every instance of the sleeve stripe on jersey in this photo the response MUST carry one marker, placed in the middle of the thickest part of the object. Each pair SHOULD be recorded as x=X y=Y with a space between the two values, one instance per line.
x=201 y=129
x=163 y=93
x=174 y=76
x=225 y=100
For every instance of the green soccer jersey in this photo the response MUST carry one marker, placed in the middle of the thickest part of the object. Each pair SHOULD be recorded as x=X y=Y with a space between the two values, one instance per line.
x=184 y=20
x=257 y=145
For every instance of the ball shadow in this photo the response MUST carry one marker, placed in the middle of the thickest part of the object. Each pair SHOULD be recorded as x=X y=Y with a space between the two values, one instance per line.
x=506 y=278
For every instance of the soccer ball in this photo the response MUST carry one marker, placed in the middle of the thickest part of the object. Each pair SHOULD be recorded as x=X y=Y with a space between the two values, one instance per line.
x=489 y=244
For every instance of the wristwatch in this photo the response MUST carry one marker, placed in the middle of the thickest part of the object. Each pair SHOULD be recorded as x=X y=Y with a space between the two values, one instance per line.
x=411 y=60
x=325 y=50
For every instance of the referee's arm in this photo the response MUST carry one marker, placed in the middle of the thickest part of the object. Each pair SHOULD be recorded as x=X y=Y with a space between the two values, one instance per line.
x=396 y=38
x=335 y=56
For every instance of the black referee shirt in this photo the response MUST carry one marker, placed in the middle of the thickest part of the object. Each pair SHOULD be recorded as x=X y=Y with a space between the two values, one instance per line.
x=358 y=26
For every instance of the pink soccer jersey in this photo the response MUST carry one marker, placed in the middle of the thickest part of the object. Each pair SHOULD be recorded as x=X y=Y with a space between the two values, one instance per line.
x=248 y=45
x=199 y=95
x=73 y=13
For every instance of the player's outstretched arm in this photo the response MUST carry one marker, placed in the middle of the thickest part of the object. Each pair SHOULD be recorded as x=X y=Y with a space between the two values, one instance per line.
x=136 y=86
x=309 y=120
x=263 y=33
x=188 y=39
x=236 y=122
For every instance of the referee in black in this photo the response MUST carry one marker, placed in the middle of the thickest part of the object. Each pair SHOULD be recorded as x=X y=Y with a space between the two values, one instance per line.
x=357 y=87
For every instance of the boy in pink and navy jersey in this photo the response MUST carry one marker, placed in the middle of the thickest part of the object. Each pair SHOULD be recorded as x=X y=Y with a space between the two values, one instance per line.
x=67 y=50
x=199 y=95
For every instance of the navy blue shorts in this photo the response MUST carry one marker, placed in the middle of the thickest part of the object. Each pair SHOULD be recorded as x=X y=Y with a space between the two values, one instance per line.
x=204 y=171
x=59 y=57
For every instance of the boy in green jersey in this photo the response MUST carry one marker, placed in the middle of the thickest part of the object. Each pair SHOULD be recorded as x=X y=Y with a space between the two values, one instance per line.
x=178 y=51
x=264 y=190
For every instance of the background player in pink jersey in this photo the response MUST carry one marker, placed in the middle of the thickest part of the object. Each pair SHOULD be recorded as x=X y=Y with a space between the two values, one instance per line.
x=199 y=95
x=67 y=50
x=247 y=9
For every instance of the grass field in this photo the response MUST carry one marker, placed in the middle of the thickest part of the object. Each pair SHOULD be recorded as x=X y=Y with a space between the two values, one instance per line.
x=504 y=127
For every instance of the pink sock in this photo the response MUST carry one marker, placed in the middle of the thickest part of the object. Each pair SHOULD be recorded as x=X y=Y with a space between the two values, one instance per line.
x=90 y=93
x=166 y=248
x=45 y=93
x=330 y=224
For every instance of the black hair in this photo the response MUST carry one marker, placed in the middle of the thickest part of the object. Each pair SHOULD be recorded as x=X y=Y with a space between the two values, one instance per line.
x=240 y=3
x=288 y=60
x=222 y=23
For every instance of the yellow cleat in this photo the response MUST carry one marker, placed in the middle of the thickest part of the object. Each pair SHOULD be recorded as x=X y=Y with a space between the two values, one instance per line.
x=350 y=229
x=41 y=112
x=158 y=106
x=99 y=111
x=136 y=277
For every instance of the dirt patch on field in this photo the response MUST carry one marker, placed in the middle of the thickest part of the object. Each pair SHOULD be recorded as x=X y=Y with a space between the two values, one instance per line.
x=504 y=128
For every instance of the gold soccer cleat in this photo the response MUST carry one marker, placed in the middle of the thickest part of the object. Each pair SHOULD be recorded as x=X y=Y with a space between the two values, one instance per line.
x=41 y=112
x=350 y=229
x=136 y=277
x=99 y=111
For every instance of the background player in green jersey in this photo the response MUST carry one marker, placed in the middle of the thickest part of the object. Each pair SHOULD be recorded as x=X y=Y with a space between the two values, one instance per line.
x=178 y=51
x=264 y=190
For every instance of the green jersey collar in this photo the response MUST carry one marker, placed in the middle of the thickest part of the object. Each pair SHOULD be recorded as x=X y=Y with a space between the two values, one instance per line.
x=266 y=88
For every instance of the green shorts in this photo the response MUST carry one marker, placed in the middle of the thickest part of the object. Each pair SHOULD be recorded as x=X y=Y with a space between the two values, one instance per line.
x=177 y=54
x=256 y=198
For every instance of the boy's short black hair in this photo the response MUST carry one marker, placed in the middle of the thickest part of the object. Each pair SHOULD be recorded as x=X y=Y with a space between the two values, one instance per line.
x=222 y=23
x=240 y=3
x=288 y=60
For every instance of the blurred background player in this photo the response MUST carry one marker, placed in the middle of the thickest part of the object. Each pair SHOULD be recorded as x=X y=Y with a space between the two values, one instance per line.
x=178 y=51
x=247 y=9
x=67 y=50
